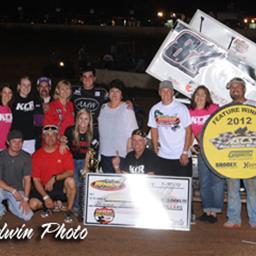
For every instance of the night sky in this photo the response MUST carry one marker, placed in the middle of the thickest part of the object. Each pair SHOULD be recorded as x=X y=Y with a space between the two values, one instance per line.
x=144 y=7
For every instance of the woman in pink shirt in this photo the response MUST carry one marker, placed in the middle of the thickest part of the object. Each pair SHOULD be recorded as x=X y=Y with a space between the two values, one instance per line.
x=211 y=185
x=6 y=95
x=61 y=110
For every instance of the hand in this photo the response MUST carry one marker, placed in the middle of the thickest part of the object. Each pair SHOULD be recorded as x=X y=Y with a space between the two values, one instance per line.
x=63 y=148
x=49 y=184
x=25 y=206
x=129 y=104
x=184 y=159
x=46 y=107
x=17 y=195
x=116 y=160
x=49 y=203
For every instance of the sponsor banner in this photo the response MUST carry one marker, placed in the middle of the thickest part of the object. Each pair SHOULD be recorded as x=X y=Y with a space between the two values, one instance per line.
x=189 y=59
x=139 y=201
x=226 y=37
x=229 y=141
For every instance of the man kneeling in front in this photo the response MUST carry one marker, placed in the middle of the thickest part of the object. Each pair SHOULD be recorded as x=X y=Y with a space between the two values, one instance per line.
x=52 y=173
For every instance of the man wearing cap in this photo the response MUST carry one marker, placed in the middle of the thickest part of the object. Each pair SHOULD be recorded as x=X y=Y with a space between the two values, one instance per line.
x=170 y=124
x=52 y=174
x=15 y=177
x=41 y=106
x=237 y=89
x=140 y=160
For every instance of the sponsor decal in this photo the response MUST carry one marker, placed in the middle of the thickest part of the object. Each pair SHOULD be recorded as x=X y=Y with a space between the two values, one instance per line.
x=104 y=215
x=240 y=154
x=108 y=184
x=229 y=141
x=89 y=103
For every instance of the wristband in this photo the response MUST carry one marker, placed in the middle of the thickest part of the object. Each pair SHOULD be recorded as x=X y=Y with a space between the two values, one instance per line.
x=14 y=191
x=25 y=198
x=45 y=197
x=185 y=152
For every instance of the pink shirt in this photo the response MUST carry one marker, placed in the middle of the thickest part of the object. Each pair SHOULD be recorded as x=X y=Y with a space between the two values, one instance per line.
x=199 y=117
x=5 y=125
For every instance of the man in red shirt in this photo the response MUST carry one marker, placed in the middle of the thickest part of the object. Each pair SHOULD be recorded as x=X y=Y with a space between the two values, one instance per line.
x=52 y=174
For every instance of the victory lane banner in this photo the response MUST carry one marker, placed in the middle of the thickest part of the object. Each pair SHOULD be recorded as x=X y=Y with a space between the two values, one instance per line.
x=138 y=201
x=229 y=141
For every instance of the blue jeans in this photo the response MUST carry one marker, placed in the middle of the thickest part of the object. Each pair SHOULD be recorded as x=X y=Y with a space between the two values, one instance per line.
x=13 y=205
x=79 y=164
x=107 y=166
x=234 y=200
x=211 y=188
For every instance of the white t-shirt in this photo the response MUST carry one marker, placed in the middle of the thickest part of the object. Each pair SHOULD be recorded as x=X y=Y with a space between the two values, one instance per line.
x=115 y=128
x=170 y=121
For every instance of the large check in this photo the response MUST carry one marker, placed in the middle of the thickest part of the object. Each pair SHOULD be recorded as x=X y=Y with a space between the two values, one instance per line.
x=139 y=201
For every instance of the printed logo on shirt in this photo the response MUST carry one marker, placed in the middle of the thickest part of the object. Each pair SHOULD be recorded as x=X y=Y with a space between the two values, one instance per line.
x=7 y=118
x=97 y=94
x=165 y=120
x=137 y=169
x=89 y=103
x=26 y=107
x=199 y=120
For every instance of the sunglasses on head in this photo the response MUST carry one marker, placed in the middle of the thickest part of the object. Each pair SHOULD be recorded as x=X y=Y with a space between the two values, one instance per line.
x=50 y=128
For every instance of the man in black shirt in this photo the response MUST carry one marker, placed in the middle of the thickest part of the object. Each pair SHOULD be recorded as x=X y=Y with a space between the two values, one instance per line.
x=139 y=161
x=88 y=96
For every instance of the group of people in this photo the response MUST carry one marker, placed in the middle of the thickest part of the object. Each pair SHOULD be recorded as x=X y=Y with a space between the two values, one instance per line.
x=47 y=140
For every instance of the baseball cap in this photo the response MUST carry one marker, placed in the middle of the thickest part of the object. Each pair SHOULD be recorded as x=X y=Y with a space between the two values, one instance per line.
x=237 y=80
x=50 y=128
x=166 y=84
x=14 y=134
x=44 y=79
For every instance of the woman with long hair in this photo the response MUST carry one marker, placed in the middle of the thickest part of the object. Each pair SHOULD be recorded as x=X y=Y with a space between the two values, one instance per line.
x=6 y=96
x=61 y=110
x=79 y=138
x=211 y=185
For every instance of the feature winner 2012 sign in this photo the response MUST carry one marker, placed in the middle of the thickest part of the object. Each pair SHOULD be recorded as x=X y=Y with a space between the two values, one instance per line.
x=139 y=201
x=229 y=141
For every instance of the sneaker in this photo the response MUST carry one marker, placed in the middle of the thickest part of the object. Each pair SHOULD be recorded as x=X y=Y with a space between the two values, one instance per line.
x=231 y=225
x=46 y=213
x=58 y=206
x=204 y=217
x=212 y=219
x=68 y=217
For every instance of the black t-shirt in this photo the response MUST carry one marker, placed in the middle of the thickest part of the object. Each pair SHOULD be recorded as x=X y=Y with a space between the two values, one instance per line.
x=146 y=163
x=77 y=152
x=90 y=99
x=23 y=110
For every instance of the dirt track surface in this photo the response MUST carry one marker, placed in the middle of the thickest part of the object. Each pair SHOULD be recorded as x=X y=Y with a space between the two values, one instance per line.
x=203 y=239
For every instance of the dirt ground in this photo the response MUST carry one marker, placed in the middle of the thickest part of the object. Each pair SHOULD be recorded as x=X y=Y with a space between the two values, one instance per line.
x=203 y=239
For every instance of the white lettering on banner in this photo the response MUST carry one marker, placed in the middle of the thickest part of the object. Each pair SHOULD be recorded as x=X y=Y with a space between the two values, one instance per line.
x=29 y=106
x=6 y=117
